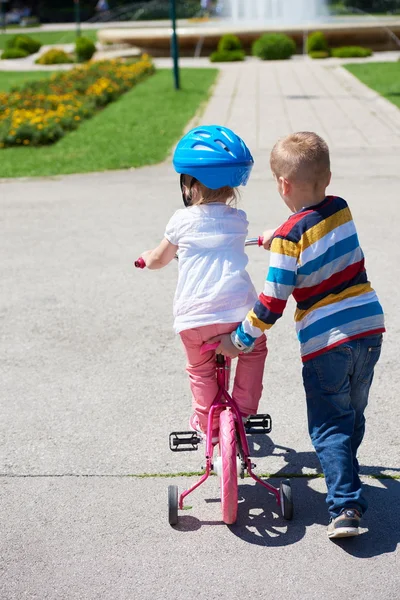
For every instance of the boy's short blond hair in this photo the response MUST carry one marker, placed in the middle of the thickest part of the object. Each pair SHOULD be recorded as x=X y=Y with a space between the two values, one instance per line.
x=301 y=157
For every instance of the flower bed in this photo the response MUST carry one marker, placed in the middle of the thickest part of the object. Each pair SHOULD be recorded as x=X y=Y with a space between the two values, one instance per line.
x=41 y=112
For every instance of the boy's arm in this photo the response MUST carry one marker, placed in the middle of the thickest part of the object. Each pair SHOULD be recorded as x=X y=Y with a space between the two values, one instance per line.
x=160 y=256
x=279 y=284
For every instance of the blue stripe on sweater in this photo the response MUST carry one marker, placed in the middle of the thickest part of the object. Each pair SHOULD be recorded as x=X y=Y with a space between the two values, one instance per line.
x=337 y=319
x=336 y=251
x=283 y=276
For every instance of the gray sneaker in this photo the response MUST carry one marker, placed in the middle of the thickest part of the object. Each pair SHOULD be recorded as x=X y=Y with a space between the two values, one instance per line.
x=345 y=525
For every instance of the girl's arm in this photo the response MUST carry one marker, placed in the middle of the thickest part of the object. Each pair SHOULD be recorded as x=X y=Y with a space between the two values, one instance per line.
x=160 y=256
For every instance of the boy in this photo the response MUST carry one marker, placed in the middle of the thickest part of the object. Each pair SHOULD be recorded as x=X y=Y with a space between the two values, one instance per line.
x=316 y=256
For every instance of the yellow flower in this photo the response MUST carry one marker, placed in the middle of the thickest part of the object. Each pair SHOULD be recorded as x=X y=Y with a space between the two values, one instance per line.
x=26 y=142
x=77 y=118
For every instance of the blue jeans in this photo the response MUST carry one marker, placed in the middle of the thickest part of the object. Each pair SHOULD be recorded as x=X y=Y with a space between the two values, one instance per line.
x=337 y=385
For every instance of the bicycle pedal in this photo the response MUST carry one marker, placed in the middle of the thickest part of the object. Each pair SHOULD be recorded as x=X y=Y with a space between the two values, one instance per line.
x=258 y=424
x=184 y=441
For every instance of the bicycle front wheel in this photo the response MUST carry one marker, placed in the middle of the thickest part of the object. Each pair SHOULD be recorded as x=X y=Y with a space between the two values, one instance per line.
x=229 y=479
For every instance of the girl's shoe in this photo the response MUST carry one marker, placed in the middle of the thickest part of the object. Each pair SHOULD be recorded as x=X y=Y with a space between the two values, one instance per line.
x=345 y=525
x=195 y=426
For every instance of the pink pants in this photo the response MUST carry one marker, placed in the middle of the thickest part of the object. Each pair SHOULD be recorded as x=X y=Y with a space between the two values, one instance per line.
x=247 y=387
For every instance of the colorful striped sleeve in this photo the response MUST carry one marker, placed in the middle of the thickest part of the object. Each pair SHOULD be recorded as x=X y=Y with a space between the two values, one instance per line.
x=279 y=284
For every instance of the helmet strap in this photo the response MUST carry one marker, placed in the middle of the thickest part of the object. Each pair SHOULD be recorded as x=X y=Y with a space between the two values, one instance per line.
x=187 y=197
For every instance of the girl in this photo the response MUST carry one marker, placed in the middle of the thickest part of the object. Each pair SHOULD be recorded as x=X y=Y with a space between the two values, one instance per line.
x=214 y=291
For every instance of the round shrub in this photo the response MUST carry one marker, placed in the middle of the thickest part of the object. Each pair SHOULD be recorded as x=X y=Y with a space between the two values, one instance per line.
x=317 y=42
x=14 y=53
x=229 y=42
x=24 y=42
x=274 y=46
x=54 y=56
x=84 y=49
x=351 y=52
x=227 y=56
x=319 y=54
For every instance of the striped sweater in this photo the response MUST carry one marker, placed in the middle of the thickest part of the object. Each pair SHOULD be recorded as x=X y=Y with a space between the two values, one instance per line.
x=316 y=256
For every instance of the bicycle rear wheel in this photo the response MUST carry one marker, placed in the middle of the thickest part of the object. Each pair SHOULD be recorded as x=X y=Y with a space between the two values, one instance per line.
x=229 y=479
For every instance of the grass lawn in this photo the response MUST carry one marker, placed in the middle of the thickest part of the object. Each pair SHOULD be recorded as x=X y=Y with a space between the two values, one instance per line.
x=50 y=37
x=10 y=79
x=138 y=129
x=384 y=78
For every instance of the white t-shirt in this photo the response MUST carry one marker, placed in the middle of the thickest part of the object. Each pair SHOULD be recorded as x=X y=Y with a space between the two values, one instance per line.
x=213 y=285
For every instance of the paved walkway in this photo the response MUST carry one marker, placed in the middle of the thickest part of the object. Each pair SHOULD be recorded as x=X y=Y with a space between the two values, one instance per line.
x=92 y=377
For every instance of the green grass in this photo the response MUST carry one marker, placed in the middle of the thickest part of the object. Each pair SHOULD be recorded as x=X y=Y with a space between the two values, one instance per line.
x=10 y=79
x=384 y=78
x=50 y=37
x=138 y=129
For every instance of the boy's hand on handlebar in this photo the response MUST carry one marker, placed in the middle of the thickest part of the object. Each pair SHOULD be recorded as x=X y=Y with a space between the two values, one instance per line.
x=267 y=238
x=225 y=347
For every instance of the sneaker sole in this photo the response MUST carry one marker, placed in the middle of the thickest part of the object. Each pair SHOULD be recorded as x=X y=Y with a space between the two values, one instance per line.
x=341 y=532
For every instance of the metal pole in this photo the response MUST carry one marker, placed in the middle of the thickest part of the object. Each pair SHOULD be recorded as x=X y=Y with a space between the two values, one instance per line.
x=174 y=44
x=3 y=15
x=78 y=17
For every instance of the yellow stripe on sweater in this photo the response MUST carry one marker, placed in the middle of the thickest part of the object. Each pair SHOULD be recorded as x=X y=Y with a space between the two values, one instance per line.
x=355 y=290
x=282 y=246
x=317 y=232
x=256 y=322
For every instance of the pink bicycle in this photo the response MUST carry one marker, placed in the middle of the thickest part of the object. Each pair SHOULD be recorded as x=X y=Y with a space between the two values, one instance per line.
x=233 y=458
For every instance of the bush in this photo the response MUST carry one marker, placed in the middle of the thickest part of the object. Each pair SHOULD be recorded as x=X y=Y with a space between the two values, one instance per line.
x=84 y=49
x=351 y=52
x=319 y=54
x=54 y=56
x=317 y=42
x=229 y=42
x=227 y=56
x=274 y=46
x=24 y=42
x=14 y=53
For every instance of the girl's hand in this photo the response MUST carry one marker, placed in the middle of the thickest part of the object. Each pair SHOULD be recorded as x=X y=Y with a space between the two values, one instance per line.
x=267 y=238
x=146 y=255
x=225 y=347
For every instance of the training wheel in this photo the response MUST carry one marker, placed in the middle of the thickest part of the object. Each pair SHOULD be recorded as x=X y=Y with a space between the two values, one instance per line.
x=173 y=504
x=285 y=494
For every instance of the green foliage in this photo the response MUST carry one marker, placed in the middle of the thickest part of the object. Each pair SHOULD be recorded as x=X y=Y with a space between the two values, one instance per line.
x=84 y=49
x=24 y=42
x=227 y=56
x=54 y=56
x=274 y=46
x=14 y=53
x=351 y=52
x=229 y=42
x=372 y=6
x=317 y=42
x=319 y=54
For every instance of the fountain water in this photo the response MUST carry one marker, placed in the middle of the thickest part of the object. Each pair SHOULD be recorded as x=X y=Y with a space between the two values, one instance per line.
x=275 y=11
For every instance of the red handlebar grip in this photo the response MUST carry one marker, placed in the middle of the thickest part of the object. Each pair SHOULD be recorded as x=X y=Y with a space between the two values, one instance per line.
x=139 y=263
x=260 y=240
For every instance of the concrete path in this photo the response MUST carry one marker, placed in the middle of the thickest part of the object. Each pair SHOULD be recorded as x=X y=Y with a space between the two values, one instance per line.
x=93 y=378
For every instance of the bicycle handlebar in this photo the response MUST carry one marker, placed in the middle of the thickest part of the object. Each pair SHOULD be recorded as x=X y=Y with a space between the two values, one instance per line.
x=258 y=241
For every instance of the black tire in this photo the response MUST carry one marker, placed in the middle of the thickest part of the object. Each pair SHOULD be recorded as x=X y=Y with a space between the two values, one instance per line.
x=173 y=504
x=285 y=492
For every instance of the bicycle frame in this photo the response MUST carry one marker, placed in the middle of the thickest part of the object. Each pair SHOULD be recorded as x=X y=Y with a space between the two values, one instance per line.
x=225 y=401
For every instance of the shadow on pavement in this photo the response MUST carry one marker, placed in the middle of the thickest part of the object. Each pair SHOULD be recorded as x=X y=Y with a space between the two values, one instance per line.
x=260 y=522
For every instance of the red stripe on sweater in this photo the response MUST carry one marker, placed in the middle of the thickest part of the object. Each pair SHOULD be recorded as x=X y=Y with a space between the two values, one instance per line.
x=307 y=357
x=273 y=304
x=301 y=294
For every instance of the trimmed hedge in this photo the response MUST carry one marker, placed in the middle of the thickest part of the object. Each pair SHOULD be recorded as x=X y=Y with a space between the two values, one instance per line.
x=317 y=42
x=84 y=49
x=54 y=56
x=14 y=53
x=227 y=56
x=229 y=42
x=24 y=42
x=351 y=52
x=274 y=46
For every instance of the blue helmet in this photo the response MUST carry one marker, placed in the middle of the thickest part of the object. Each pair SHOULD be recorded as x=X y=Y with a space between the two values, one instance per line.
x=215 y=156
